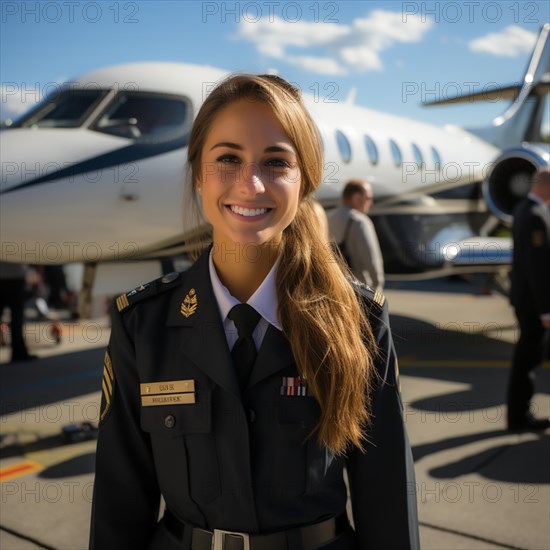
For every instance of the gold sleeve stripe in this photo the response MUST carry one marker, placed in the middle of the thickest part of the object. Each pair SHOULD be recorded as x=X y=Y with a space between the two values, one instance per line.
x=122 y=302
x=109 y=366
x=106 y=393
x=104 y=413
x=108 y=384
x=107 y=381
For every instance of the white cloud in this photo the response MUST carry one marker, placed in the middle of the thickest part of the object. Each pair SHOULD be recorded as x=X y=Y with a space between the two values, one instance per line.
x=382 y=28
x=271 y=49
x=301 y=33
x=321 y=65
x=510 y=42
x=340 y=48
x=361 y=59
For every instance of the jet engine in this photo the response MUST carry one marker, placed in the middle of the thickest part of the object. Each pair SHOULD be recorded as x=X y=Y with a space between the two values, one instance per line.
x=510 y=177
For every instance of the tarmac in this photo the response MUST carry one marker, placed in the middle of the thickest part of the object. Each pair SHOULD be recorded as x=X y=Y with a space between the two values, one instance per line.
x=478 y=486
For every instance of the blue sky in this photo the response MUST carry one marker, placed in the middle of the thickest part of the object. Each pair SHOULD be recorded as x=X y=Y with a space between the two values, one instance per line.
x=394 y=54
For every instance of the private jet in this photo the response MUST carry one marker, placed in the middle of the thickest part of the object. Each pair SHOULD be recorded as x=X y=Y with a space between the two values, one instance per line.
x=96 y=171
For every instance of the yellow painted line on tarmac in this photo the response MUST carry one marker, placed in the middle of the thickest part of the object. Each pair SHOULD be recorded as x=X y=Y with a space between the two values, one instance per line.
x=442 y=363
x=19 y=469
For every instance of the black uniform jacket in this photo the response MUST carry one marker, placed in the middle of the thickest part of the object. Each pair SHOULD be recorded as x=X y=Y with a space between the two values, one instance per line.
x=530 y=292
x=225 y=460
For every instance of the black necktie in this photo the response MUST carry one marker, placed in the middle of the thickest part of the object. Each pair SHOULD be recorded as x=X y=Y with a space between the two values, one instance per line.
x=244 y=351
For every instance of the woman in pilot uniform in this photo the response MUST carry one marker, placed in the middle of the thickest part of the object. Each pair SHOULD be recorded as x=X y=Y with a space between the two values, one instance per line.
x=239 y=390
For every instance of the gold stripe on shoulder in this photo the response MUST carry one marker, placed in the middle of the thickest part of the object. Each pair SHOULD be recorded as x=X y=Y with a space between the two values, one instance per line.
x=379 y=298
x=122 y=302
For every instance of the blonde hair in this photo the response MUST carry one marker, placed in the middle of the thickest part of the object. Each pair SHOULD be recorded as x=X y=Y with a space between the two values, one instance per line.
x=328 y=330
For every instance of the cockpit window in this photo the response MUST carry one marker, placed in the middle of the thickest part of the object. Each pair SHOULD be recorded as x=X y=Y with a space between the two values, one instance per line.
x=140 y=115
x=65 y=109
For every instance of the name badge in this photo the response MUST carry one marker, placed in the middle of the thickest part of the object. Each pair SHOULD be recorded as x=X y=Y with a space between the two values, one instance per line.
x=174 y=392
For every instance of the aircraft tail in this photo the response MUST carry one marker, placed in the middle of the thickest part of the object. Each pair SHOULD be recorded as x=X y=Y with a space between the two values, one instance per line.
x=520 y=132
x=523 y=118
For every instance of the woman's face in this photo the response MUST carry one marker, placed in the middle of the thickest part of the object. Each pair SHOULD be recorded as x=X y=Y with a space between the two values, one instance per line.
x=250 y=185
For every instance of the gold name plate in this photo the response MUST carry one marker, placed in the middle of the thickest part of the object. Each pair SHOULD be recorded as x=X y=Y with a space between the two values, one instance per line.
x=175 y=386
x=170 y=399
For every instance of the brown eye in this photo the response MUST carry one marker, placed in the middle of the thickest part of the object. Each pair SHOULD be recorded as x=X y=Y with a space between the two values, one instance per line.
x=228 y=159
x=278 y=163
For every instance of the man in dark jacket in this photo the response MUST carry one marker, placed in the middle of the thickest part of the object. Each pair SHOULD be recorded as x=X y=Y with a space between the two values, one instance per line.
x=530 y=296
x=12 y=296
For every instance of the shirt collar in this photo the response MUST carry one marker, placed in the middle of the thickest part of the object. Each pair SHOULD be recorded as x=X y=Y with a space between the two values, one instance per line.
x=264 y=300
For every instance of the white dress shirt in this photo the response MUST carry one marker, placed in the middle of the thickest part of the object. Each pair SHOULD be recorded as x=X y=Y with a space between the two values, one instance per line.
x=264 y=301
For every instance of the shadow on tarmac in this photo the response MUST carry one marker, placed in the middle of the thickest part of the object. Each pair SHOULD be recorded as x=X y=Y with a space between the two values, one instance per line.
x=513 y=461
x=518 y=462
x=38 y=393
x=52 y=379
x=79 y=465
x=418 y=341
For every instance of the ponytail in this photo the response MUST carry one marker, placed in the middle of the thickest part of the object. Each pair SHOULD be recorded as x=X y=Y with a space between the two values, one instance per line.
x=329 y=334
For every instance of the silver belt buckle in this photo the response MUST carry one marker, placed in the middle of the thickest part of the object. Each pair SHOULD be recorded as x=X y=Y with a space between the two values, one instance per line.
x=218 y=540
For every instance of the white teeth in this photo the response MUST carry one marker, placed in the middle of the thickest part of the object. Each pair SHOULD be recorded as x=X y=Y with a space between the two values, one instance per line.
x=248 y=211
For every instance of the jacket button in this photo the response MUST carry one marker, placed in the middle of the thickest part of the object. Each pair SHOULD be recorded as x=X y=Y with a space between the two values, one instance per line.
x=170 y=421
x=251 y=413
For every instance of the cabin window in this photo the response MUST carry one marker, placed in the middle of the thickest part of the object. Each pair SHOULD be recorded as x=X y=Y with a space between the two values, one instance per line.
x=65 y=109
x=140 y=116
x=436 y=158
x=343 y=146
x=372 y=150
x=417 y=156
x=396 y=154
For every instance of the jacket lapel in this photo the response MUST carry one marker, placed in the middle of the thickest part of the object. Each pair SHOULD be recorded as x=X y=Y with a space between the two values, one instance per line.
x=274 y=354
x=194 y=308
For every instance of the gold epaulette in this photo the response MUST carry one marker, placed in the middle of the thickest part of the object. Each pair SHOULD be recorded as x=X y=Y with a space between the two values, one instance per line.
x=379 y=298
x=124 y=301
x=373 y=296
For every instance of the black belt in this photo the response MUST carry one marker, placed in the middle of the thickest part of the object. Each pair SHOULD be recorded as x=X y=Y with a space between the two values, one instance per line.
x=312 y=536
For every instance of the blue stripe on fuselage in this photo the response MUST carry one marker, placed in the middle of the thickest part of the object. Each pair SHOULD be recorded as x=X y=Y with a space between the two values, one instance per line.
x=124 y=155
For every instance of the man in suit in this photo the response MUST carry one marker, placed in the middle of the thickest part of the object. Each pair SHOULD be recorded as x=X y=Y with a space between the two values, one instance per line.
x=530 y=296
x=354 y=232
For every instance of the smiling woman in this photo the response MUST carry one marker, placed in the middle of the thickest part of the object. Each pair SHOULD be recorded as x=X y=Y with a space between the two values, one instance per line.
x=250 y=189
x=241 y=389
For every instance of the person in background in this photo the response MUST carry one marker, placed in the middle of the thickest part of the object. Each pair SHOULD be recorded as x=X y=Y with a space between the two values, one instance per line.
x=12 y=296
x=240 y=389
x=355 y=235
x=530 y=296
